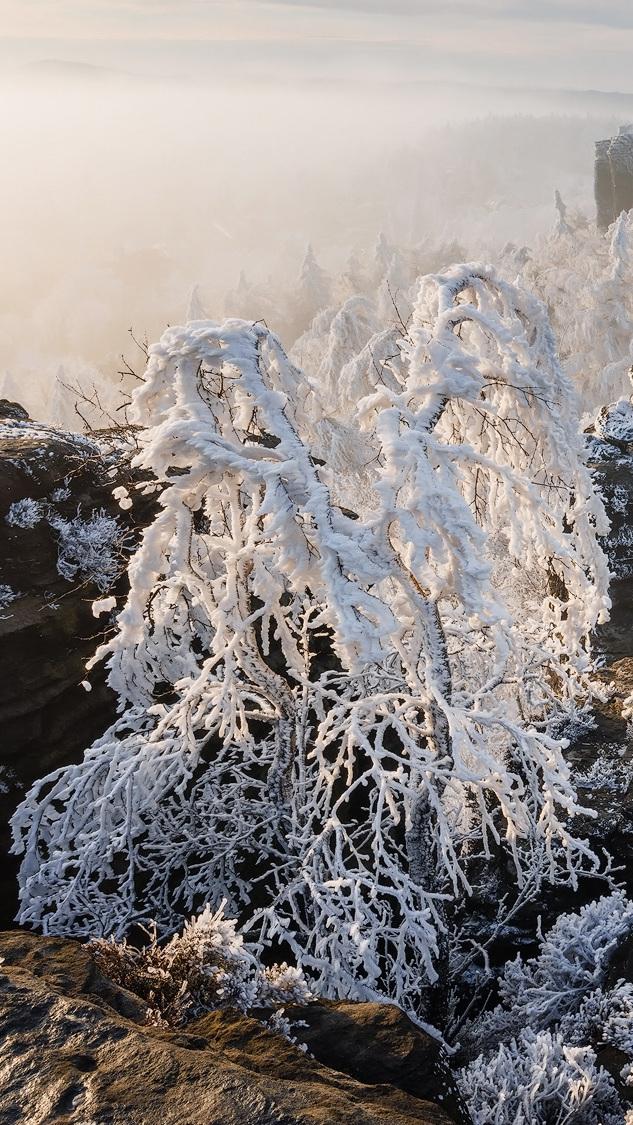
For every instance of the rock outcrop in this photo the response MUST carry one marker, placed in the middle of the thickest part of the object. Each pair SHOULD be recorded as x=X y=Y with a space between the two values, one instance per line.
x=63 y=540
x=377 y=1042
x=76 y=1051
x=613 y=177
x=612 y=465
x=602 y=755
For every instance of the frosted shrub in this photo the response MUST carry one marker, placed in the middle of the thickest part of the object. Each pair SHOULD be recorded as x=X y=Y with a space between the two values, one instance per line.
x=573 y=961
x=7 y=595
x=87 y=548
x=539 y=1062
x=538 y=1080
x=603 y=1018
x=206 y=967
x=90 y=549
x=26 y=512
x=333 y=691
x=282 y=984
x=572 y=964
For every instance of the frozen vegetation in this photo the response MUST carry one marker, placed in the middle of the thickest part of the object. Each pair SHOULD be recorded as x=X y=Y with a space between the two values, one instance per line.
x=87 y=548
x=356 y=634
x=539 y=1060
x=336 y=664
x=208 y=966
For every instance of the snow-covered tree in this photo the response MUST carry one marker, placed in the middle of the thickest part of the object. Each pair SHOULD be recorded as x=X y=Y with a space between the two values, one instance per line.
x=314 y=287
x=585 y=279
x=250 y=301
x=338 y=682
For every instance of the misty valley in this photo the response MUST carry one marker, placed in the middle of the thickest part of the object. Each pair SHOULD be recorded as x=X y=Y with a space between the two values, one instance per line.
x=316 y=784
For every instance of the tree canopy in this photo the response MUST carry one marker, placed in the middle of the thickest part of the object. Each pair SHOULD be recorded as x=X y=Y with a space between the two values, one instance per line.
x=354 y=634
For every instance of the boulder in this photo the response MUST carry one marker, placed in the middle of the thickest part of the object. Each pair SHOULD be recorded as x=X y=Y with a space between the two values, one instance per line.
x=64 y=540
x=76 y=1051
x=378 y=1043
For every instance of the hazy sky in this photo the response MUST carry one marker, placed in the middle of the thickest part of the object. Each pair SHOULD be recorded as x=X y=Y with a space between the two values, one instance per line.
x=560 y=43
x=267 y=125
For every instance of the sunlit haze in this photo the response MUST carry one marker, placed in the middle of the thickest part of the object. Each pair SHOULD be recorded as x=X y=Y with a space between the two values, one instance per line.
x=151 y=147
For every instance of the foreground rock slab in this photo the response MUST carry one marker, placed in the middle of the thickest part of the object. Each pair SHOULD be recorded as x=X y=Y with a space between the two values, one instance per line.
x=75 y=1051
x=63 y=541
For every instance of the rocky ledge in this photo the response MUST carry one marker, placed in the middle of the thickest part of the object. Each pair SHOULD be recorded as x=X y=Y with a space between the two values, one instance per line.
x=64 y=540
x=77 y=1051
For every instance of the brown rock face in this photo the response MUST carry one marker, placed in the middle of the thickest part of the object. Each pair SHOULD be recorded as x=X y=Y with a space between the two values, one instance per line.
x=75 y=1051
x=613 y=473
x=63 y=538
x=378 y=1042
x=607 y=749
x=613 y=177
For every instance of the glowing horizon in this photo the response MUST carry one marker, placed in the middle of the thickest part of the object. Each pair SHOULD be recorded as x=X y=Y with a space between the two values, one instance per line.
x=565 y=44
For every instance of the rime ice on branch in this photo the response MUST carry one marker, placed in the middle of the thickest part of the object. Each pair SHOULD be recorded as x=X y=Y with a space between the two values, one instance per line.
x=338 y=682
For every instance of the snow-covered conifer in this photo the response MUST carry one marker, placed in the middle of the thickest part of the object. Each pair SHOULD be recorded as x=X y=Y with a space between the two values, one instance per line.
x=315 y=286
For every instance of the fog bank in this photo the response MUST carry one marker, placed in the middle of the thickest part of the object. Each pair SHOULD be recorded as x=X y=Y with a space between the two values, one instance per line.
x=121 y=193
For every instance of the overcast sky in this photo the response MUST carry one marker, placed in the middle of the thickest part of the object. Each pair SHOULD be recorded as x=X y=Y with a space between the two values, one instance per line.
x=536 y=43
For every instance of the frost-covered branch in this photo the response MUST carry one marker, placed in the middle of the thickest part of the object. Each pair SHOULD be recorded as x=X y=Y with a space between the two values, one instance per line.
x=333 y=687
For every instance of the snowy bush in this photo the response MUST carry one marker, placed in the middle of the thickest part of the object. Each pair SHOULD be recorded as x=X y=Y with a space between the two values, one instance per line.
x=89 y=549
x=339 y=682
x=539 y=1045
x=208 y=966
x=26 y=512
x=571 y=966
x=604 y=1018
x=538 y=1080
x=7 y=595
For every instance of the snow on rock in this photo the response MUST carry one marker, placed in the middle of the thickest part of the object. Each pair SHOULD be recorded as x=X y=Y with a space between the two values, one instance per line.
x=612 y=469
x=59 y=548
x=615 y=423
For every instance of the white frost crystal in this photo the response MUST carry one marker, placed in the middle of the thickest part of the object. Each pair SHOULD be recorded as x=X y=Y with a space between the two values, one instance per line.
x=89 y=549
x=26 y=512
